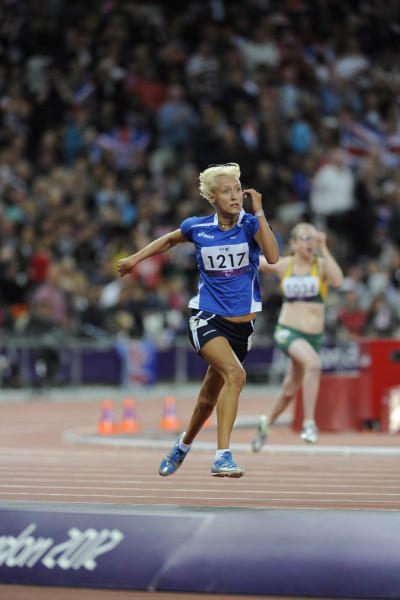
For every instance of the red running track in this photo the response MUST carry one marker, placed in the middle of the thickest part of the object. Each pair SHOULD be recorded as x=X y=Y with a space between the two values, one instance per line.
x=49 y=452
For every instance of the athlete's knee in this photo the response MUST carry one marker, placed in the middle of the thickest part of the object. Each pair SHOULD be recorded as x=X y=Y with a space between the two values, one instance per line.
x=314 y=365
x=236 y=375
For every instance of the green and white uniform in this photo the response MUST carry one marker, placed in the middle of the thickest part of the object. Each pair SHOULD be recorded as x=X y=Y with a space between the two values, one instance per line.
x=300 y=288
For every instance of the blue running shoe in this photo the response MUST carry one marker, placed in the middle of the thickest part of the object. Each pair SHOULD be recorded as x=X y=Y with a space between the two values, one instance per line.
x=173 y=460
x=225 y=467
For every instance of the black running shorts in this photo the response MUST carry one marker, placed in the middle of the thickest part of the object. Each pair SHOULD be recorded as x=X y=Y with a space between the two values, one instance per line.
x=204 y=326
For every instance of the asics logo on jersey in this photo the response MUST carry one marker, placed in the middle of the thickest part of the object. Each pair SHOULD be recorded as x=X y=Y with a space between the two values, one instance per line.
x=202 y=234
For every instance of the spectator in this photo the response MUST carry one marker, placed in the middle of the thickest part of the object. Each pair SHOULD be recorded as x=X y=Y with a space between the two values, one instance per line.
x=351 y=318
x=177 y=121
x=301 y=134
x=48 y=333
x=51 y=294
x=92 y=317
x=260 y=49
x=332 y=200
x=381 y=318
x=149 y=88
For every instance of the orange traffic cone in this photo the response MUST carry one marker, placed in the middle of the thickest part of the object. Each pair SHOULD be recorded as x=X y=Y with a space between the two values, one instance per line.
x=170 y=421
x=129 y=423
x=107 y=424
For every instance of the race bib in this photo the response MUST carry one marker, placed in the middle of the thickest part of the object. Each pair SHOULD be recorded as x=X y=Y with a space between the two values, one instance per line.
x=226 y=261
x=300 y=287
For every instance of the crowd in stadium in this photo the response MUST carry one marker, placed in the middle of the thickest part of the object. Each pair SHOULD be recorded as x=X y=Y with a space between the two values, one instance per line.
x=110 y=109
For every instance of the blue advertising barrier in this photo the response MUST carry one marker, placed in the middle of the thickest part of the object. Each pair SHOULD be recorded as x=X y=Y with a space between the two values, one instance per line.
x=140 y=362
x=343 y=554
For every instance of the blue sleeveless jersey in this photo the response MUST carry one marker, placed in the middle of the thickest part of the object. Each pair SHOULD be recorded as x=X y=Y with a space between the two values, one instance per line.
x=228 y=261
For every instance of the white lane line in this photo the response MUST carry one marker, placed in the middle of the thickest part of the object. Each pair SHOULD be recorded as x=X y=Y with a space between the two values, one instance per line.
x=230 y=500
x=12 y=481
x=157 y=490
x=116 y=441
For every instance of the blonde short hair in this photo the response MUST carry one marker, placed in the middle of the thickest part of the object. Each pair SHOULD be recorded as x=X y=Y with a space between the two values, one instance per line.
x=209 y=177
x=295 y=231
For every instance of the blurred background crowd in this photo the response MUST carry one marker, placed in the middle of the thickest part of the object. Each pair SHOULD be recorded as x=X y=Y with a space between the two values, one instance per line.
x=109 y=109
